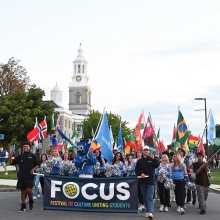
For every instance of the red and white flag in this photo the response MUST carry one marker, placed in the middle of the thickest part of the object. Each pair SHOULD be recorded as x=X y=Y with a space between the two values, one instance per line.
x=39 y=132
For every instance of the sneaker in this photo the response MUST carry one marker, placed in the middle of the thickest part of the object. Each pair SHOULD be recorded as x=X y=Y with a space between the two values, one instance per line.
x=182 y=211
x=189 y=202
x=6 y=173
x=166 y=209
x=38 y=195
x=178 y=209
x=203 y=212
x=150 y=216
x=146 y=215
x=35 y=197
x=31 y=205
x=161 y=208
x=23 y=209
x=141 y=208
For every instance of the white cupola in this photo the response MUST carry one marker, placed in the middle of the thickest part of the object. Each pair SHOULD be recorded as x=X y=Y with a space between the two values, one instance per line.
x=56 y=95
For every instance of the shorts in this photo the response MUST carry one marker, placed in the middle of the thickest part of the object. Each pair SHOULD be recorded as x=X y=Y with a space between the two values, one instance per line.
x=3 y=164
x=23 y=184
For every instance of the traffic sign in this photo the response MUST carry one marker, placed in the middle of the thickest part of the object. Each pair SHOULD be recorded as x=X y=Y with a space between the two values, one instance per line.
x=1 y=136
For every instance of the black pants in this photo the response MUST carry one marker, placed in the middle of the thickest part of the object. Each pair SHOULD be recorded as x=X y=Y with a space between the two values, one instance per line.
x=180 y=191
x=164 y=194
x=42 y=184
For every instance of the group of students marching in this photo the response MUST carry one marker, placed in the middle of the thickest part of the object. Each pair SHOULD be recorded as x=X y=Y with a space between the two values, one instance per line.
x=149 y=168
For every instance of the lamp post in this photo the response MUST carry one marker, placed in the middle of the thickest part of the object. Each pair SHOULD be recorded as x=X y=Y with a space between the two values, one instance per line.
x=207 y=148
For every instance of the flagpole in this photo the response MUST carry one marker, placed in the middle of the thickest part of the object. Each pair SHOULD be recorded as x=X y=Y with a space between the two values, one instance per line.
x=154 y=131
x=204 y=130
x=94 y=136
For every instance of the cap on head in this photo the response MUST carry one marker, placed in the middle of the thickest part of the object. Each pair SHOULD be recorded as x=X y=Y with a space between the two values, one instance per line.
x=146 y=147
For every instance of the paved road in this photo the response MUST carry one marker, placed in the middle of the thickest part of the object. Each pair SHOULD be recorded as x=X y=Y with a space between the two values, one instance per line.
x=9 y=204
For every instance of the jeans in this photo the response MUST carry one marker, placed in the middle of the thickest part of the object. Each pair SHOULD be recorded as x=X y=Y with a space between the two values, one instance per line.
x=148 y=194
x=36 y=184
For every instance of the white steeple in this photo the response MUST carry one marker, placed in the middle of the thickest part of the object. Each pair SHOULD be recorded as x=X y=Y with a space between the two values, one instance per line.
x=56 y=95
x=80 y=77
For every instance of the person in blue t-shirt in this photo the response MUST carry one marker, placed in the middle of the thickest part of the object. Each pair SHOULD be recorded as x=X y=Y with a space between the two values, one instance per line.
x=3 y=160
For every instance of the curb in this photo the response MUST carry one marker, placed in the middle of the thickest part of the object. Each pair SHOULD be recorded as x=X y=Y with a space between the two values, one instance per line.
x=9 y=190
x=214 y=190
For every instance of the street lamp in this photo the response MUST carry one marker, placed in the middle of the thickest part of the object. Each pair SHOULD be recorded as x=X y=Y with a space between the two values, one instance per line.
x=207 y=148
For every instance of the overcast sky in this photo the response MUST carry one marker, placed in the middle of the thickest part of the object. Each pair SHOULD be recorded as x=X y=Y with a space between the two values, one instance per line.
x=143 y=55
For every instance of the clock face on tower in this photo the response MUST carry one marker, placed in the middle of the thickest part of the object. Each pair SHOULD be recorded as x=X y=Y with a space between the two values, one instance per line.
x=78 y=78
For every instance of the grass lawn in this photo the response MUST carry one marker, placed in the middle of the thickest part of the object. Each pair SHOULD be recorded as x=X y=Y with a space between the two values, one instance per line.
x=215 y=173
x=12 y=175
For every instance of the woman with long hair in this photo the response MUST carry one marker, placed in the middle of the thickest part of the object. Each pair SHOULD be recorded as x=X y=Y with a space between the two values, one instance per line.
x=164 y=194
x=120 y=162
x=178 y=174
x=101 y=161
x=43 y=165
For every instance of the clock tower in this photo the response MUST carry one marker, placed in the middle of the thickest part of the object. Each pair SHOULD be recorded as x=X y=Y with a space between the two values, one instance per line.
x=79 y=90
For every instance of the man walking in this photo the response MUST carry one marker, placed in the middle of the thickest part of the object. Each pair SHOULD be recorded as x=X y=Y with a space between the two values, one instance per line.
x=202 y=182
x=145 y=169
x=27 y=163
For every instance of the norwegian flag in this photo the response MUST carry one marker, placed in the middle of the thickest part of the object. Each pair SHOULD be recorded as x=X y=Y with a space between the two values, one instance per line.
x=39 y=132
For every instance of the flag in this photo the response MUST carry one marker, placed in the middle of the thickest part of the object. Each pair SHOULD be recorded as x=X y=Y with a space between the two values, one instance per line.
x=201 y=147
x=139 y=126
x=193 y=141
x=176 y=145
x=132 y=142
x=52 y=125
x=64 y=137
x=111 y=135
x=59 y=146
x=163 y=147
x=120 y=140
x=148 y=130
x=182 y=130
x=80 y=135
x=211 y=130
x=94 y=146
x=186 y=147
x=104 y=139
x=39 y=132
x=174 y=133
x=71 y=147
x=127 y=148
x=54 y=140
x=36 y=142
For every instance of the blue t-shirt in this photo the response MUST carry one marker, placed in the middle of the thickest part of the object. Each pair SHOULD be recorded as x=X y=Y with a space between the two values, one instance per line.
x=2 y=154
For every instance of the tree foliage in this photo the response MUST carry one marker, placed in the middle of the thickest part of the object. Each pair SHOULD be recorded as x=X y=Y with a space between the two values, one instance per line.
x=18 y=112
x=94 y=120
x=13 y=77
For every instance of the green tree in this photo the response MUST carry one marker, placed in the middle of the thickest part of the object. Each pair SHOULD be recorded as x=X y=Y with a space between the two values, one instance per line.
x=13 y=77
x=18 y=112
x=93 y=120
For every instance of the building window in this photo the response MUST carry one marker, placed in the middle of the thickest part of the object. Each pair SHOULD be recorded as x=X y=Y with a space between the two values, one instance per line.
x=83 y=68
x=78 y=127
x=78 y=68
x=78 y=98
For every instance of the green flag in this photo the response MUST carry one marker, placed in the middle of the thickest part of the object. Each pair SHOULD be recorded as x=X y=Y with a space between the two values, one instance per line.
x=73 y=139
x=182 y=130
x=52 y=125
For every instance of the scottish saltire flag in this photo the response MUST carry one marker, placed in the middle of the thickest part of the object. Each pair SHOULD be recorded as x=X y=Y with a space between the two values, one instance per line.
x=104 y=139
x=63 y=136
x=39 y=132
x=111 y=135
x=211 y=130
x=120 y=140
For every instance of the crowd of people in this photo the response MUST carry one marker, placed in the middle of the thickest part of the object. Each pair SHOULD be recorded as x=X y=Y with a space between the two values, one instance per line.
x=151 y=170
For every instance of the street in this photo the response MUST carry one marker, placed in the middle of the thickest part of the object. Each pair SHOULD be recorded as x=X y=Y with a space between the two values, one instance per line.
x=9 y=205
